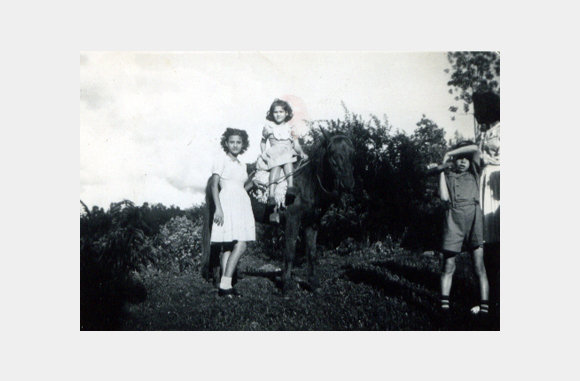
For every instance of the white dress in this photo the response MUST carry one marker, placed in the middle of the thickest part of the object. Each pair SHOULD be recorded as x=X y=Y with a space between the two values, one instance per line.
x=281 y=150
x=490 y=180
x=236 y=205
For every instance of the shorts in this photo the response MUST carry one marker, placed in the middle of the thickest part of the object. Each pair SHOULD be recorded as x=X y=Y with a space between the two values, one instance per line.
x=463 y=229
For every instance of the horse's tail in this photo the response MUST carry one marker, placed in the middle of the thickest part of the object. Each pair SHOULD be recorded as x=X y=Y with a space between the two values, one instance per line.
x=208 y=212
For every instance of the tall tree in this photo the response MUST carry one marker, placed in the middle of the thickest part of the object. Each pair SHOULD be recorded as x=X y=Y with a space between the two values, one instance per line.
x=472 y=72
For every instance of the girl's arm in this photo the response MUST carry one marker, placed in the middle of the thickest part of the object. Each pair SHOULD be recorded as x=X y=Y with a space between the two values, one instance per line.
x=218 y=216
x=443 y=192
x=299 y=150
x=249 y=184
x=265 y=134
x=487 y=159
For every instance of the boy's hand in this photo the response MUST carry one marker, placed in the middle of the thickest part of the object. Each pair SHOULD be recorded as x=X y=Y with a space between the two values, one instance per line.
x=446 y=158
x=304 y=156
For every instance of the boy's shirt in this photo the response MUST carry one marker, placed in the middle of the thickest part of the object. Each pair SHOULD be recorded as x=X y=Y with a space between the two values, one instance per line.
x=464 y=187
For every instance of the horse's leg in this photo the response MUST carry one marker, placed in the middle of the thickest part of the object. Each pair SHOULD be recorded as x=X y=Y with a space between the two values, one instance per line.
x=310 y=235
x=291 y=235
x=215 y=267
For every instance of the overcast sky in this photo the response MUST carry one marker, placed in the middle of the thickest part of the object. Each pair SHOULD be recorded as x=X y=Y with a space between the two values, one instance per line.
x=150 y=123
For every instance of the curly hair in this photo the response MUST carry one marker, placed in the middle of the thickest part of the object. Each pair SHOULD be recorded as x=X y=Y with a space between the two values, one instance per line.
x=285 y=106
x=232 y=132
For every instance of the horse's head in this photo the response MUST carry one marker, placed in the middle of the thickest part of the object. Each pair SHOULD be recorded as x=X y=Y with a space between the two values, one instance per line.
x=339 y=156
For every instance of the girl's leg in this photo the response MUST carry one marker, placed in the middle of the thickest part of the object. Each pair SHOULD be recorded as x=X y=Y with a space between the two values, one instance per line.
x=288 y=168
x=225 y=282
x=234 y=257
x=446 y=280
x=291 y=192
x=224 y=261
x=274 y=175
x=482 y=275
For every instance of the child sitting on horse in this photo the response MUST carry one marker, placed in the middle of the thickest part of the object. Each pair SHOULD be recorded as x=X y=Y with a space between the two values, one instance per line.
x=283 y=150
x=463 y=227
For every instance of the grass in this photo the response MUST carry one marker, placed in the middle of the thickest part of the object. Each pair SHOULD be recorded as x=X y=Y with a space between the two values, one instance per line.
x=373 y=288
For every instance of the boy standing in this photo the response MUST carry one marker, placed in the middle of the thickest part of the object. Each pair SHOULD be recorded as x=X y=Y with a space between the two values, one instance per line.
x=463 y=221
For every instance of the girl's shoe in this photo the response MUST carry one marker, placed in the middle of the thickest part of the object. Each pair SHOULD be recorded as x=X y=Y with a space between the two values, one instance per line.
x=229 y=292
x=275 y=218
x=291 y=194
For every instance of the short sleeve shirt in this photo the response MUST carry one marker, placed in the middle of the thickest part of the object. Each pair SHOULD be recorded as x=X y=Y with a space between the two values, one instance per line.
x=229 y=169
x=465 y=187
x=277 y=131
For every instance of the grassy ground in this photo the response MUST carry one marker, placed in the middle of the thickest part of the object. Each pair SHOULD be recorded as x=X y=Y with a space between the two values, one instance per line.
x=370 y=289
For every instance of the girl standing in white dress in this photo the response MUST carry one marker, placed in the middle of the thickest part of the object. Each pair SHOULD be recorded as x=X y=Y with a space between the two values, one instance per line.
x=233 y=222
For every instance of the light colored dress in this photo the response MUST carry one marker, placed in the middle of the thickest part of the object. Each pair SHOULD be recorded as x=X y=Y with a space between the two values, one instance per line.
x=236 y=205
x=281 y=150
x=490 y=180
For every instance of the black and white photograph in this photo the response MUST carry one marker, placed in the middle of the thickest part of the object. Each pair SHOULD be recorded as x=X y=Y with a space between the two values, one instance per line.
x=290 y=190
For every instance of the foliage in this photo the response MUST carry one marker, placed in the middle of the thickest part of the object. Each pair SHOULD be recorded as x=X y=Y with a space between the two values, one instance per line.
x=393 y=195
x=178 y=244
x=112 y=244
x=471 y=72
x=116 y=243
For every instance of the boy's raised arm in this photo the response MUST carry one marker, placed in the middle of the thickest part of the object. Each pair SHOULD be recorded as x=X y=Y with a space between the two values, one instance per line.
x=461 y=150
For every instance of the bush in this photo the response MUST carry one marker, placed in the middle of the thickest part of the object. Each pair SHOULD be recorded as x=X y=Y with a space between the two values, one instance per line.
x=177 y=247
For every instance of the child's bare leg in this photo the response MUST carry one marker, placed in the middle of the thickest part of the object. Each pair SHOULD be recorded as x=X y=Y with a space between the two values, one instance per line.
x=479 y=268
x=291 y=193
x=288 y=168
x=225 y=281
x=234 y=257
x=446 y=280
x=224 y=261
x=274 y=175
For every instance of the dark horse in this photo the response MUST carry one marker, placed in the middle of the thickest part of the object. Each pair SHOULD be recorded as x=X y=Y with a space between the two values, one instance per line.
x=320 y=182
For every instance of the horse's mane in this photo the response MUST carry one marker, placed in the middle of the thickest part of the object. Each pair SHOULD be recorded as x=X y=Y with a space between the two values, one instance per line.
x=308 y=180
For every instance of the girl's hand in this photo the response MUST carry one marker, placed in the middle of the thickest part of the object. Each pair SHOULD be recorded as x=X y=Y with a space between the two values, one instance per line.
x=259 y=185
x=304 y=156
x=445 y=158
x=218 y=217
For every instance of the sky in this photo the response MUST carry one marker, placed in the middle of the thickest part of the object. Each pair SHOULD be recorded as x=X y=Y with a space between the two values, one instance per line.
x=150 y=122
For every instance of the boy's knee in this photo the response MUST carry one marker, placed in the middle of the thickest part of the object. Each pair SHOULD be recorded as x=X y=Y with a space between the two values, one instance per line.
x=449 y=267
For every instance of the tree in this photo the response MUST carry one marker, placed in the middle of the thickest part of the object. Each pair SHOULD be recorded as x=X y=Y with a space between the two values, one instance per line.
x=472 y=72
x=430 y=140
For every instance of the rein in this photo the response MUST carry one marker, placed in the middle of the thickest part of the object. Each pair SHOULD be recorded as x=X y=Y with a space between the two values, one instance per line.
x=302 y=164
x=322 y=186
